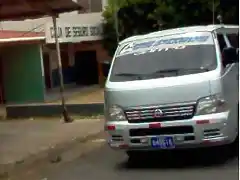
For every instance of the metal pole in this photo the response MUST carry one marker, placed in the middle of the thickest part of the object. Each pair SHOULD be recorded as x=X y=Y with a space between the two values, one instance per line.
x=65 y=113
x=116 y=20
x=213 y=11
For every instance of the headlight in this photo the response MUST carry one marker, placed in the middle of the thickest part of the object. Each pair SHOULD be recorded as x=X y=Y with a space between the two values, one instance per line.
x=116 y=113
x=211 y=104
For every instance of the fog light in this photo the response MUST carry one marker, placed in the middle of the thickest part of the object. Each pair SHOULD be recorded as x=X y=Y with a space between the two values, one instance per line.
x=144 y=140
x=179 y=138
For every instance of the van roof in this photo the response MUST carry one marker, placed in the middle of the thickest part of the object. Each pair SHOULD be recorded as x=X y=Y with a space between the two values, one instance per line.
x=207 y=28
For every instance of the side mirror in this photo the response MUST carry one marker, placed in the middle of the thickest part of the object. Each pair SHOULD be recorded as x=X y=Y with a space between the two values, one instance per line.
x=230 y=55
x=106 y=66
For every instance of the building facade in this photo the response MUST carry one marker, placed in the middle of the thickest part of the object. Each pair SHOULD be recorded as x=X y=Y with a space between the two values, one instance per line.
x=21 y=72
x=82 y=52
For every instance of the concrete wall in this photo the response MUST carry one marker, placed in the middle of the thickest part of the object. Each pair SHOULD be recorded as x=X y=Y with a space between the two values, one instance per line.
x=68 y=71
x=23 y=74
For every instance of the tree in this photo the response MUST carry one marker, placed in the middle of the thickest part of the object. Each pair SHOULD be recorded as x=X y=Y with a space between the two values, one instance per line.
x=230 y=11
x=132 y=19
x=143 y=16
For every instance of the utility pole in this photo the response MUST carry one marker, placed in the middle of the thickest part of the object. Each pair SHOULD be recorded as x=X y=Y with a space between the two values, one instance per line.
x=116 y=19
x=213 y=11
x=66 y=116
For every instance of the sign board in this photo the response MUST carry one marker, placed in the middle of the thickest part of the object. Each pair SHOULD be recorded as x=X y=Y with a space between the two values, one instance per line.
x=74 y=32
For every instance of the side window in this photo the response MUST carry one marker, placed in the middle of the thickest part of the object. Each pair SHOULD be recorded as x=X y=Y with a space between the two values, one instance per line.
x=221 y=41
x=234 y=40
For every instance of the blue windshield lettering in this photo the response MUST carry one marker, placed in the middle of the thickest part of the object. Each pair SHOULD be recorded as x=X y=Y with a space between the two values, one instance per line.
x=143 y=45
x=156 y=43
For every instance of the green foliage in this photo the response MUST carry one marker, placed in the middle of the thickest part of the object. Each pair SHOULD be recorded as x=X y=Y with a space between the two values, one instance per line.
x=143 y=16
x=109 y=33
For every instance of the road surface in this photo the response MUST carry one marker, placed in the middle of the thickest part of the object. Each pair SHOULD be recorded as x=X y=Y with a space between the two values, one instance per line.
x=104 y=163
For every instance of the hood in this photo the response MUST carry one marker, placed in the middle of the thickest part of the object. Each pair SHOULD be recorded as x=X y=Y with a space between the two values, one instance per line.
x=187 y=88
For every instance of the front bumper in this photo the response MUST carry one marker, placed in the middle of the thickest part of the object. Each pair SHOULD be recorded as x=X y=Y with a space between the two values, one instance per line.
x=200 y=131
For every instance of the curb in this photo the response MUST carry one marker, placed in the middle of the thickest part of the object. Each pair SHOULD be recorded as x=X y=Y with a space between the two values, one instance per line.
x=52 y=154
x=40 y=110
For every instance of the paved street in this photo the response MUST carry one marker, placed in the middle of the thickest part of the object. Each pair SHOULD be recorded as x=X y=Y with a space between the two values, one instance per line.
x=104 y=163
x=26 y=144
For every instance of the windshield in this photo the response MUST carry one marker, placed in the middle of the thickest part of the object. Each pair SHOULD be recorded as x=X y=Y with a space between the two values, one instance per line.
x=162 y=61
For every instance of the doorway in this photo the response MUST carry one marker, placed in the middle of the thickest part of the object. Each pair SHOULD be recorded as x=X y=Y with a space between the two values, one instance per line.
x=86 y=67
x=47 y=76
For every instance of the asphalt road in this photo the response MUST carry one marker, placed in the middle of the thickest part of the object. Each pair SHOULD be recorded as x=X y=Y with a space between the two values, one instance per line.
x=104 y=163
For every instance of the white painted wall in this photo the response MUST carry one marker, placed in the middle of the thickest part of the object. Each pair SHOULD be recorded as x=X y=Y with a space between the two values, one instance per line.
x=38 y=25
x=53 y=59
x=71 y=53
x=104 y=4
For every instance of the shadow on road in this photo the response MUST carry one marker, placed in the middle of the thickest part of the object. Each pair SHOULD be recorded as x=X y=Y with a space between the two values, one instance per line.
x=180 y=159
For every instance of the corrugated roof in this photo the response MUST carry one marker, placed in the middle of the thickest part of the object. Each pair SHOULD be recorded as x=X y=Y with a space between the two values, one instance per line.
x=28 y=9
x=8 y=36
x=5 y=34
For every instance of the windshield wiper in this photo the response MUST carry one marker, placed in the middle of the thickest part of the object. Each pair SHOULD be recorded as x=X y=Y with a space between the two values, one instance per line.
x=177 y=70
x=201 y=69
x=160 y=73
x=166 y=71
x=138 y=76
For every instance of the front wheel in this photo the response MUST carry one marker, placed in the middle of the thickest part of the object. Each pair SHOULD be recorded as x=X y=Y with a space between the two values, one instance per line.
x=233 y=148
x=135 y=155
x=132 y=154
x=235 y=144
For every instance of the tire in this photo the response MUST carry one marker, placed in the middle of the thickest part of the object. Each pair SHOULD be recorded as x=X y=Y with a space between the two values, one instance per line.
x=233 y=148
x=235 y=145
x=134 y=156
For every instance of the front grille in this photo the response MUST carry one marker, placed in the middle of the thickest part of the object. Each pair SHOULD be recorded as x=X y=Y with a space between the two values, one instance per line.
x=168 y=113
x=161 y=131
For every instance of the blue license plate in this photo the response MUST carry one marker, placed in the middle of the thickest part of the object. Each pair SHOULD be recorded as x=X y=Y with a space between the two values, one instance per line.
x=163 y=142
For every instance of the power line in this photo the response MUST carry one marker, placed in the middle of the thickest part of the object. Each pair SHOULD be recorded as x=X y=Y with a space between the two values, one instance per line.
x=40 y=25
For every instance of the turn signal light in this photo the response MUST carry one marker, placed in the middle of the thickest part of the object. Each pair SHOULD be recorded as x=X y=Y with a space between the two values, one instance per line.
x=155 y=125
x=203 y=122
x=111 y=127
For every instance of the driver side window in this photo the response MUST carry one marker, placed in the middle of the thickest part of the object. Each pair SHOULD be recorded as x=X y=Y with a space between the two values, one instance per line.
x=222 y=43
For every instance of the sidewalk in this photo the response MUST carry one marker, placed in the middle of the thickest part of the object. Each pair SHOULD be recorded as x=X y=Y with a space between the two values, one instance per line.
x=22 y=139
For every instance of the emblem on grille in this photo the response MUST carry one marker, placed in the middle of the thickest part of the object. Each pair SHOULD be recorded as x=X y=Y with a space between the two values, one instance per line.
x=158 y=113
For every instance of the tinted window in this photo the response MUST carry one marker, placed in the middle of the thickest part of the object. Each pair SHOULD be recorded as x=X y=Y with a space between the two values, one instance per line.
x=221 y=41
x=166 y=62
x=234 y=40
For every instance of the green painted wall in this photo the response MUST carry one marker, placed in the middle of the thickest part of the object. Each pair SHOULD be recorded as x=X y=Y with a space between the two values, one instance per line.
x=23 y=79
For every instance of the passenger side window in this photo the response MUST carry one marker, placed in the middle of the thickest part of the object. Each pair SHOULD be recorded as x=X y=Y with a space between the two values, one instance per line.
x=221 y=42
x=234 y=40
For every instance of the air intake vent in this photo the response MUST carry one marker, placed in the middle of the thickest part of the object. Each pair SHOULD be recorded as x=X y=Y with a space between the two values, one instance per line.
x=117 y=138
x=208 y=133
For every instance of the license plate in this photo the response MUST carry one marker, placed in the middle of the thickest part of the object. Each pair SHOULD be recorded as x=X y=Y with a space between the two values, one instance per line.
x=163 y=142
